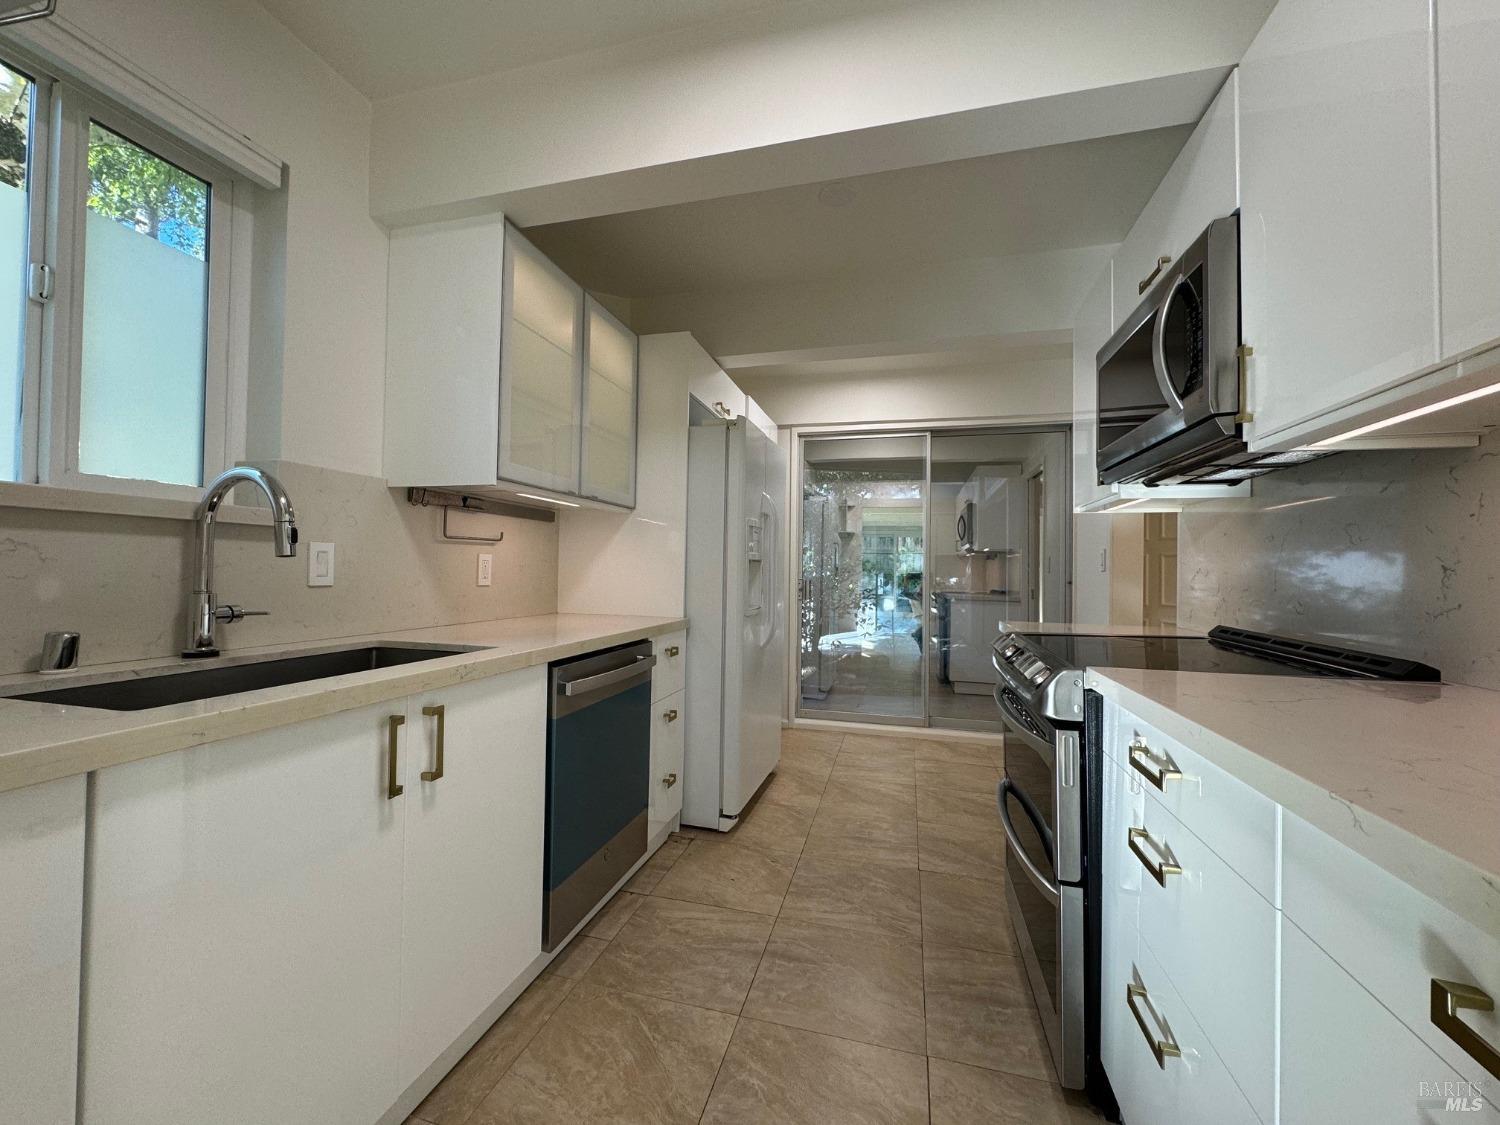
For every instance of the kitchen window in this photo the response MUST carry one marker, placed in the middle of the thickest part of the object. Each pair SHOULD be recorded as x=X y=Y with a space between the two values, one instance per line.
x=117 y=272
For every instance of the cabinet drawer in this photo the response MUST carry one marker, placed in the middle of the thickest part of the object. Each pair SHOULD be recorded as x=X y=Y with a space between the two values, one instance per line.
x=1231 y=818
x=1391 y=938
x=1189 y=1086
x=1215 y=938
x=1346 y=1058
x=1120 y=873
x=667 y=744
x=668 y=677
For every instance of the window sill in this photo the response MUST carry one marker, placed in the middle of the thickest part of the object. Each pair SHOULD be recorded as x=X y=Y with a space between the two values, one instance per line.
x=52 y=499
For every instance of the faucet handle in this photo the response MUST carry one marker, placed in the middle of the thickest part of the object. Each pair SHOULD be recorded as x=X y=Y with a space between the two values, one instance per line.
x=227 y=613
x=60 y=652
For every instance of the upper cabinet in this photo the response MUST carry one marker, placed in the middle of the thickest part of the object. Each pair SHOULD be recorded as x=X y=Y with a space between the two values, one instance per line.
x=1338 y=204
x=541 y=370
x=1468 y=74
x=1202 y=185
x=609 y=408
x=501 y=373
x=1091 y=328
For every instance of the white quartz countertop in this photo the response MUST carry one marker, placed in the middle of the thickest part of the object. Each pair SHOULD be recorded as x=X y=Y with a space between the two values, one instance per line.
x=43 y=741
x=1407 y=775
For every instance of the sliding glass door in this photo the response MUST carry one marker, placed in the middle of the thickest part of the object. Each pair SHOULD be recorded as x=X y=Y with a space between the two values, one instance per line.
x=917 y=550
x=863 y=585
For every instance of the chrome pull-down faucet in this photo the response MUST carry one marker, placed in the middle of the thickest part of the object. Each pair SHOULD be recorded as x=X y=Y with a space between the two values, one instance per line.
x=203 y=609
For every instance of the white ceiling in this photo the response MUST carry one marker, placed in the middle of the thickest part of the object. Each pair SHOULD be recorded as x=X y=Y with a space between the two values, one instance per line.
x=389 y=47
x=1062 y=196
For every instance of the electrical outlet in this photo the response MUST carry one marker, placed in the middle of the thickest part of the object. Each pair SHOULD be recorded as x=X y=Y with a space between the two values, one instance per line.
x=320 y=564
x=486 y=569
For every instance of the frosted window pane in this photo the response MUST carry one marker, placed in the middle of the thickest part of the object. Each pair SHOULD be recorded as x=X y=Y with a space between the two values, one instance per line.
x=145 y=316
x=15 y=169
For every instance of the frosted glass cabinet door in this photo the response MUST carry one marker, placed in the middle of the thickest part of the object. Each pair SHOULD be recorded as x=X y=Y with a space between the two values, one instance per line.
x=1469 y=155
x=1337 y=240
x=541 y=370
x=609 y=408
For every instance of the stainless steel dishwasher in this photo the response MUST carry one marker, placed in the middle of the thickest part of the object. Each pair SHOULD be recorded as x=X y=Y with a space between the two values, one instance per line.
x=598 y=768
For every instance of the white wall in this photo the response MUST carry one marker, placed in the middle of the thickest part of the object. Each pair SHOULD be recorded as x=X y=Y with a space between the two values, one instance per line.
x=1091 y=535
x=237 y=63
x=1036 y=390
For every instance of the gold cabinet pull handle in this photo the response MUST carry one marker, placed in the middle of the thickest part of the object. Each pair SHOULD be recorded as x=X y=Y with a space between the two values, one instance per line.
x=673 y=650
x=393 y=788
x=1448 y=998
x=436 y=711
x=670 y=716
x=670 y=780
x=1159 y=868
x=1161 y=263
x=1158 y=769
x=1162 y=1049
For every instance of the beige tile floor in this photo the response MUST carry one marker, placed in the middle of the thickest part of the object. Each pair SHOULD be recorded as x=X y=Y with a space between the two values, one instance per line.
x=843 y=956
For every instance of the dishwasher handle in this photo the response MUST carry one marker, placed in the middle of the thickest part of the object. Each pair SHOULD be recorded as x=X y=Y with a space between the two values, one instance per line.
x=608 y=679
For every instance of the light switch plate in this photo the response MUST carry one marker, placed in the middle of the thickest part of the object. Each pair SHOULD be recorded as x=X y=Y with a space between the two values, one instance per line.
x=320 y=564
x=486 y=569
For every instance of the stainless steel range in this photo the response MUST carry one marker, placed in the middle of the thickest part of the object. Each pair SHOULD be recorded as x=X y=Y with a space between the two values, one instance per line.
x=1048 y=799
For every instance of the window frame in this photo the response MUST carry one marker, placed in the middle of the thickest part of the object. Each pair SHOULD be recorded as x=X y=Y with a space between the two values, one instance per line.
x=53 y=327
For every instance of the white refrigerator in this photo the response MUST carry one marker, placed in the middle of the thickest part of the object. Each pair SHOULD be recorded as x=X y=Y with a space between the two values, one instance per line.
x=737 y=613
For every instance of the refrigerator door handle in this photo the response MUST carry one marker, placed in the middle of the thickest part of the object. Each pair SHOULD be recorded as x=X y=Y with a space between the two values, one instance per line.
x=770 y=550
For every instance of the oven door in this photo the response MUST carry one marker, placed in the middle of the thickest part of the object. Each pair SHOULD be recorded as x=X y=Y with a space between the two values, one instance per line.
x=1041 y=819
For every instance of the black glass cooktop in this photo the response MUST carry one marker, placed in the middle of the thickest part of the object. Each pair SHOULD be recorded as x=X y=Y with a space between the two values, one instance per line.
x=1227 y=650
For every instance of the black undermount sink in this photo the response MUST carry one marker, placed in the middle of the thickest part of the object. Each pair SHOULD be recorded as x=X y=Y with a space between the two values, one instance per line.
x=139 y=693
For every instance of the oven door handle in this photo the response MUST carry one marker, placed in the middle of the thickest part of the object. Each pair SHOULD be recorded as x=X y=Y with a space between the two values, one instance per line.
x=1050 y=888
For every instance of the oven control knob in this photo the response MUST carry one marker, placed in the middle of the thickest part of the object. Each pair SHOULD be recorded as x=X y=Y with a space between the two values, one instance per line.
x=1040 y=675
x=1010 y=650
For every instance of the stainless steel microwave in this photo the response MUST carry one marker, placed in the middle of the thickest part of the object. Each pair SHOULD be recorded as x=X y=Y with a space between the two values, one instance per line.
x=1169 y=378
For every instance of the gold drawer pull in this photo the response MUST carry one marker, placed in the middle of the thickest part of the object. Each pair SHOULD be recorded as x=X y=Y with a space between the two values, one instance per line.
x=670 y=716
x=1159 y=868
x=1163 y=1049
x=670 y=780
x=1448 y=997
x=439 y=712
x=1161 y=263
x=673 y=650
x=1142 y=760
x=393 y=788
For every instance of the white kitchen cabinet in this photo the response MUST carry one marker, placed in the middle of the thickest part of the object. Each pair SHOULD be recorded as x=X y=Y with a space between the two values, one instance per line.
x=718 y=392
x=244 y=930
x=41 y=936
x=1202 y=185
x=668 y=742
x=1338 y=254
x=1344 y=1057
x=541 y=370
x=670 y=674
x=610 y=395
x=758 y=418
x=475 y=759
x=1468 y=74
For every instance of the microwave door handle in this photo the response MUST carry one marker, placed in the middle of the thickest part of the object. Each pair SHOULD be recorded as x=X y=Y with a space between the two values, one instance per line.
x=1159 y=345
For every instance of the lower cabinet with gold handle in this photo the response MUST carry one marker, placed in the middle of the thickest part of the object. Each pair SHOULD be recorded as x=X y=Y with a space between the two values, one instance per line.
x=1160 y=865
x=670 y=780
x=439 y=712
x=1158 y=1034
x=1448 y=999
x=393 y=786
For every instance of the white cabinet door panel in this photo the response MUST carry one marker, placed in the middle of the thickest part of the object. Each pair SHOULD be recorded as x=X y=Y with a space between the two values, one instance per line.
x=1468 y=69
x=1344 y=1057
x=473 y=859
x=611 y=388
x=244 y=926
x=1389 y=936
x=541 y=370
x=1202 y=185
x=41 y=935
x=668 y=743
x=1337 y=227
x=669 y=675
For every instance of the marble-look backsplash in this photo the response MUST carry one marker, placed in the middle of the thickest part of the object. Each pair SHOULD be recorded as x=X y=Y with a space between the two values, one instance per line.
x=1399 y=552
x=122 y=581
